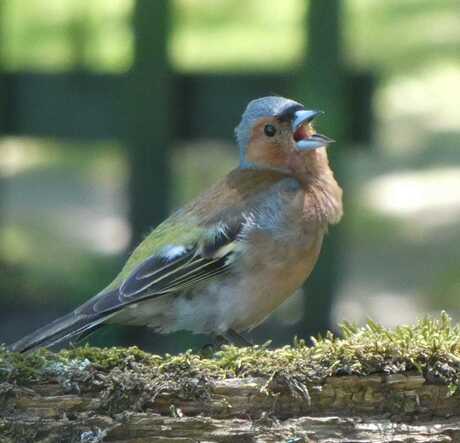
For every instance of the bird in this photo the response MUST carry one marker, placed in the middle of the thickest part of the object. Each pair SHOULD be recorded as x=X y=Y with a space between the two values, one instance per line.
x=222 y=263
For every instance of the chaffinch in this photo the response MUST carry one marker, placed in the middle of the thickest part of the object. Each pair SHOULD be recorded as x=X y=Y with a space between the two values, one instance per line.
x=222 y=263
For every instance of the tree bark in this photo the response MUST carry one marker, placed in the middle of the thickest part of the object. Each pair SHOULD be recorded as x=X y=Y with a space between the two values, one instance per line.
x=83 y=403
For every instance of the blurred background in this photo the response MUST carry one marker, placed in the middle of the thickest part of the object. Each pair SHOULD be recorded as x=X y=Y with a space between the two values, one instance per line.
x=114 y=112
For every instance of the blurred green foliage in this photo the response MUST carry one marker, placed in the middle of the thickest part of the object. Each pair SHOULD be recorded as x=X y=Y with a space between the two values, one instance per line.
x=48 y=185
x=390 y=36
x=58 y=35
x=395 y=37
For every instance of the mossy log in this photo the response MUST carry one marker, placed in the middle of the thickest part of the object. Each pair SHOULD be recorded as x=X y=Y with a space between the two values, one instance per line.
x=370 y=386
x=396 y=408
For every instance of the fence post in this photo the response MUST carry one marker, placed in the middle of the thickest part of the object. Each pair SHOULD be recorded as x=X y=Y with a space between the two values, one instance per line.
x=3 y=98
x=321 y=85
x=148 y=117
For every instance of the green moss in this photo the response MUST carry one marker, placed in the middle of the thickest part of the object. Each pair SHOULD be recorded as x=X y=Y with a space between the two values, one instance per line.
x=109 y=358
x=430 y=347
x=23 y=368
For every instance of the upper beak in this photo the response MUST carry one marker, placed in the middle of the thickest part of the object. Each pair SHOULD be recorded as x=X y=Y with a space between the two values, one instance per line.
x=307 y=141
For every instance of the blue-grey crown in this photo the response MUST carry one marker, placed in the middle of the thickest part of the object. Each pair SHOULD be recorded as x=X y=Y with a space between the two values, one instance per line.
x=261 y=107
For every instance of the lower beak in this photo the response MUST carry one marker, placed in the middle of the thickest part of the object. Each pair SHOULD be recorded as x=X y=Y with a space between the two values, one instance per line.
x=305 y=138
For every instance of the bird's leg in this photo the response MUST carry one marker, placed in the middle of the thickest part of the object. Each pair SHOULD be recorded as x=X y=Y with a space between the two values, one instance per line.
x=234 y=338
x=220 y=340
x=230 y=337
x=209 y=349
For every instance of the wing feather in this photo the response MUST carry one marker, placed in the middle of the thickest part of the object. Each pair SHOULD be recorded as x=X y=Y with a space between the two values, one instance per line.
x=166 y=273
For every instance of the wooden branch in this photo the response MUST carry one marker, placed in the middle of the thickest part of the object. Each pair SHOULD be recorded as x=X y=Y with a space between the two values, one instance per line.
x=91 y=405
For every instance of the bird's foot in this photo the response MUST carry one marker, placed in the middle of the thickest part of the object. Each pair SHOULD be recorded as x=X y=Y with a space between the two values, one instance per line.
x=230 y=337
x=208 y=350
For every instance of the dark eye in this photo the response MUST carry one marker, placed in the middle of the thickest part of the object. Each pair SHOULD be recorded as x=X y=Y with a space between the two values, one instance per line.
x=269 y=130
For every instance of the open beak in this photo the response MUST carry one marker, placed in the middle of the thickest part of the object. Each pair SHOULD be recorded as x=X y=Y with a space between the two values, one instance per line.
x=305 y=136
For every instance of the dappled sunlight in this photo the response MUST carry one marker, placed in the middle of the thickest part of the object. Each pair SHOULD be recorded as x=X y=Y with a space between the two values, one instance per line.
x=401 y=259
x=14 y=245
x=97 y=233
x=55 y=192
x=17 y=155
x=97 y=35
x=363 y=302
x=429 y=198
x=221 y=35
x=58 y=35
x=412 y=106
x=396 y=37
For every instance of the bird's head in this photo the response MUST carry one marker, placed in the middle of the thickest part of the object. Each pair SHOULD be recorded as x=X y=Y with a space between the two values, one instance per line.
x=277 y=132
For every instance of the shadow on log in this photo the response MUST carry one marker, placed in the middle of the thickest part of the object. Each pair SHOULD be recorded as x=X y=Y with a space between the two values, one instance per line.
x=371 y=385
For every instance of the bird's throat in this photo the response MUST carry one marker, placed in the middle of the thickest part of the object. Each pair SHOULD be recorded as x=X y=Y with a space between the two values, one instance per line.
x=323 y=195
x=309 y=165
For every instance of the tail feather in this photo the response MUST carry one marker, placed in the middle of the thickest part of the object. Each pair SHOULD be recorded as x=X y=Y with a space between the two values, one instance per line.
x=71 y=326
